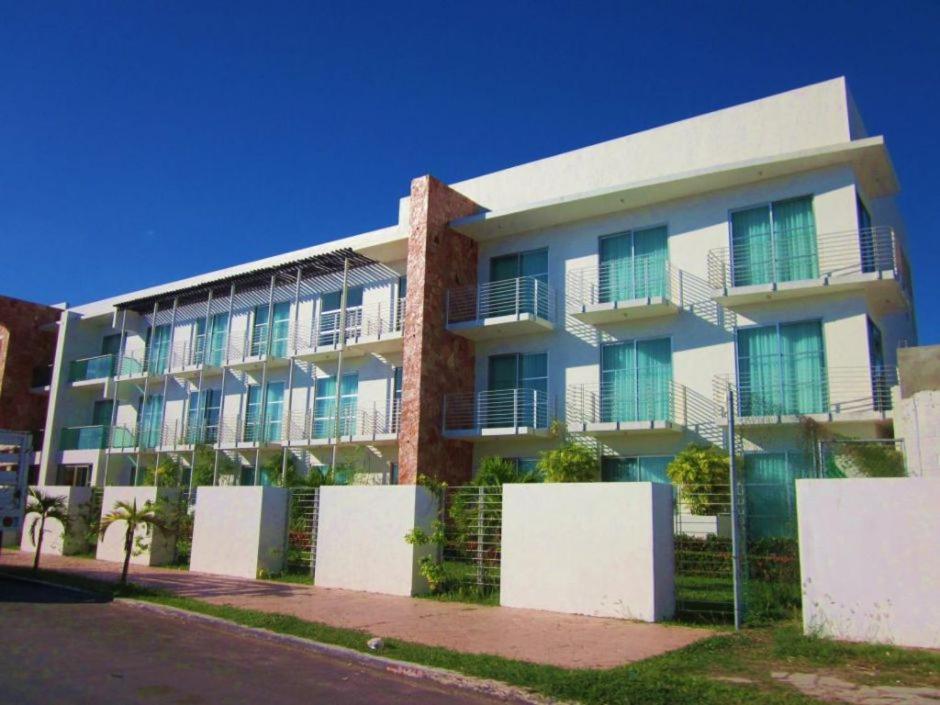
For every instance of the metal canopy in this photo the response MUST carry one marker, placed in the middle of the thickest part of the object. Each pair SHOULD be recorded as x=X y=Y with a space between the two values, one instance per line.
x=315 y=266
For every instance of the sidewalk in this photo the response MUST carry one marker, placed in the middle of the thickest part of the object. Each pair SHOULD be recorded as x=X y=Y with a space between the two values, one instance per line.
x=568 y=641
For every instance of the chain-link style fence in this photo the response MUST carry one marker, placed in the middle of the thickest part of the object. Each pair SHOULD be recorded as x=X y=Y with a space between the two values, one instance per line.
x=472 y=519
x=301 y=540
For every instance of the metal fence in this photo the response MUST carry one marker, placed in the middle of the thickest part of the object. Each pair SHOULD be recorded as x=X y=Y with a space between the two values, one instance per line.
x=301 y=540
x=472 y=519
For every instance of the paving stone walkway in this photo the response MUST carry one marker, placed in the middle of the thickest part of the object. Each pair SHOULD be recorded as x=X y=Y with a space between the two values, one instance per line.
x=569 y=641
x=832 y=689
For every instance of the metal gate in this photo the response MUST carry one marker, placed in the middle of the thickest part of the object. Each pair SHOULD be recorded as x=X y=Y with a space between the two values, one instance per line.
x=472 y=518
x=301 y=540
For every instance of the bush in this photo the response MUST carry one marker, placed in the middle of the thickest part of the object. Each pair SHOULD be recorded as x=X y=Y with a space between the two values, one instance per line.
x=495 y=472
x=571 y=461
x=703 y=475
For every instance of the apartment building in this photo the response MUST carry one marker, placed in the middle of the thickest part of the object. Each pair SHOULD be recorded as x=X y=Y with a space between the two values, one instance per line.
x=621 y=290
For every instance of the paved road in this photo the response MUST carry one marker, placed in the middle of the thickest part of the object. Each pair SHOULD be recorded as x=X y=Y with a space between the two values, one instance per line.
x=59 y=646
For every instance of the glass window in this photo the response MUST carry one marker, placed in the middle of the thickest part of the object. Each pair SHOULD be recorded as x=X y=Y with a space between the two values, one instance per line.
x=647 y=468
x=770 y=491
x=774 y=243
x=218 y=333
x=514 y=285
x=278 y=328
x=633 y=265
x=517 y=391
x=324 y=406
x=158 y=346
x=636 y=381
x=151 y=421
x=264 y=423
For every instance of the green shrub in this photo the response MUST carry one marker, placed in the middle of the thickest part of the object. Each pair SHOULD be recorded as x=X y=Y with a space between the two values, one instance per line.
x=702 y=475
x=495 y=472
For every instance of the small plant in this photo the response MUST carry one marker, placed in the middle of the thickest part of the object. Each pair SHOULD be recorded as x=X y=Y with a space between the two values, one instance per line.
x=146 y=517
x=571 y=461
x=702 y=474
x=495 y=472
x=45 y=506
x=165 y=474
x=431 y=567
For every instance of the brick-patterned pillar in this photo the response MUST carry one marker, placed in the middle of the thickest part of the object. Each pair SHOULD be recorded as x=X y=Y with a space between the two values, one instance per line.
x=435 y=361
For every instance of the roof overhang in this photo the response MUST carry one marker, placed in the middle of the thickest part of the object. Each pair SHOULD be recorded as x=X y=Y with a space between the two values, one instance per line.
x=868 y=157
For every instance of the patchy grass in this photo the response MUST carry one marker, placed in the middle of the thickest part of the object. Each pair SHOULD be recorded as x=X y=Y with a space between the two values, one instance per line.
x=293 y=578
x=690 y=675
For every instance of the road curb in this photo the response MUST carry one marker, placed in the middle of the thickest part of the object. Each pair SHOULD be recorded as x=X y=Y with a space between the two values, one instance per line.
x=492 y=688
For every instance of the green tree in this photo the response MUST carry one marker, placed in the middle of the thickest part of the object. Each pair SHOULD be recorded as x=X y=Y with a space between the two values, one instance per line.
x=703 y=475
x=45 y=506
x=495 y=471
x=146 y=516
x=571 y=461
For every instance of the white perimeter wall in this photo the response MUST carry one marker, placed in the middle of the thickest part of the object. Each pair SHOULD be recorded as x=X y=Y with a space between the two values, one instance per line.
x=57 y=541
x=870 y=559
x=361 y=538
x=239 y=530
x=159 y=547
x=601 y=549
x=917 y=421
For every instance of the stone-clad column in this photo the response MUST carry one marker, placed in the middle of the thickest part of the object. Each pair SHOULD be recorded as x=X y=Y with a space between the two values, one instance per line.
x=435 y=361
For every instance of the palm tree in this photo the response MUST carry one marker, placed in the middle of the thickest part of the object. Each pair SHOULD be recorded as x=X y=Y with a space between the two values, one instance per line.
x=47 y=507
x=146 y=516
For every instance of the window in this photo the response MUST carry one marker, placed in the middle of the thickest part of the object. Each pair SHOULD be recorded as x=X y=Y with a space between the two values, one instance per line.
x=633 y=265
x=782 y=370
x=880 y=380
x=514 y=285
x=263 y=418
x=203 y=420
x=774 y=243
x=73 y=475
x=636 y=381
x=198 y=345
x=866 y=237
x=218 y=334
x=649 y=468
x=330 y=312
x=278 y=330
x=770 y=491
x=517 y=391
x=324 y=406
x=158 y=347
x=151 y=421
x=395 y=411
x=101 y=414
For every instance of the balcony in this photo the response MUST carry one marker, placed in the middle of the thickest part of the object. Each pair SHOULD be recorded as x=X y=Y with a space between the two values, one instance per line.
x=371 y=329
x=839 y=395
x=253 y=354
x=375 y=425
x=91 y=370
x=238 y=432
x=511 y=307
x=494 y=414
x=83 y=438
x=618 y=407
x=870 y=259
x=138 y=365
x=613 y=292
x=189 y=359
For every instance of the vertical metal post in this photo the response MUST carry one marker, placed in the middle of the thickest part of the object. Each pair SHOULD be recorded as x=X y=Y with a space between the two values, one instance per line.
x=166 y=381
x=290 y=377
x=201 y=422
x=481 y=496
x=339 y=364
x=146 y=370
x=225 y=372
x=737 y=542
x=114 y=404
x=262 y=417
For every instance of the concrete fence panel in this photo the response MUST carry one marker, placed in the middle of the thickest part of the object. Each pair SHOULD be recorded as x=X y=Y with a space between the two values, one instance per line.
x=59 y=540
x=361 y=538
x=239 y=531
x=870 y=559
x=601 y=549
x=158 y=547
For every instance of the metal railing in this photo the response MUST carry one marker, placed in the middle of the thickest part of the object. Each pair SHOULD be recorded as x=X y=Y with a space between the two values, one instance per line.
x=131 y=363
x=363 y=324
x=83 y=437
x=833 y=390
x=644 y=399
x=88 y=368
x=504 y=408
x=638 y=279
x=238 y=429
x=509 y=297
x=355 y=421
x=302 y=524
x=472 y=518
x=828 y=255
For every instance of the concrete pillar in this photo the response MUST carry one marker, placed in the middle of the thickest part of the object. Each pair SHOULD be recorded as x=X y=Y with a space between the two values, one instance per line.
x=435 y=361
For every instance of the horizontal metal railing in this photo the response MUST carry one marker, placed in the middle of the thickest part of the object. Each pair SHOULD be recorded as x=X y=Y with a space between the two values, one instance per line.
x=88 y=368
x=645 y=398
x=238 y=429
x=825 y=255
x=504 y=408
x=835 y=390
x=363 y=323
x=509 y=297
x=641 y=278
x=354 y=421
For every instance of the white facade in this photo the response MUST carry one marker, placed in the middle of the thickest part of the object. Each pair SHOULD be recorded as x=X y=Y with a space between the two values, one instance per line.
x=689 y=178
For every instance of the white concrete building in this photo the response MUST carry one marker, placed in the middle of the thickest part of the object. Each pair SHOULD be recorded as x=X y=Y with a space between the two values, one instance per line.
x=621 y=289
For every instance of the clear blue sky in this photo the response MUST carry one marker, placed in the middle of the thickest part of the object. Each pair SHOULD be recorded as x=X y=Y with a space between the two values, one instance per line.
x=142 y=142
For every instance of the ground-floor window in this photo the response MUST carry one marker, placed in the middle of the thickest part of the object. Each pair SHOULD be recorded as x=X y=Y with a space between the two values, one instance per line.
x=73 y=475
x=644 y=468
x=770 y=489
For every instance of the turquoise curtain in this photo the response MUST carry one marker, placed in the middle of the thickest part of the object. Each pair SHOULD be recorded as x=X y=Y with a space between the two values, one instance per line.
x=195 y=417
x=349 y=392
x=533 y=399
x=259 y=331
x=151 y=421
x=199 y=341
x=324 y=407
x=159 y=348
x=273 y=411
x=795 y=240
x=805 y=385
x=770 y=491
x=653 y=469
x=618 y=395
x=218 y=331
x=751 y=247
x=759 y=372
x=649 y=253
x=253 y=413
x=616 y=271
x=497 y=410
x=533 y=267
x=280 y=329
x=654 y=379
x=642 y=469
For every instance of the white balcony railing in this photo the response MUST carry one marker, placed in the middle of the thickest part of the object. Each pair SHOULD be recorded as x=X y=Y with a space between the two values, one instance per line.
x=510 y=297
x=612 y=282
x=834 y=391
x=355 y=422
x=374 y=322
x=796 y=255
x=501 y=409
x=643 y=400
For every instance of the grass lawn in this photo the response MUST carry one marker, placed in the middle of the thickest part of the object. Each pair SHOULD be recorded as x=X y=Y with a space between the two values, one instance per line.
x=690 y=675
